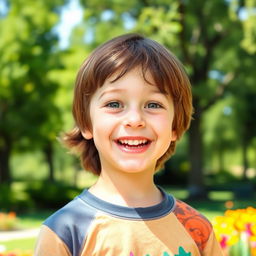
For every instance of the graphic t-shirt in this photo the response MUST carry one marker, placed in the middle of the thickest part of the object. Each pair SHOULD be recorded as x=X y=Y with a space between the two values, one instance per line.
x=89 y=226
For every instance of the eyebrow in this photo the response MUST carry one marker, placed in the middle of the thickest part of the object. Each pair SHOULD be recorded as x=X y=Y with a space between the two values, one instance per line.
x=111 y=91
x=117 y=90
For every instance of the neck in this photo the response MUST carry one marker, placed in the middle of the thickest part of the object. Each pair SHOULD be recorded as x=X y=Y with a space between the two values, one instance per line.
x=133 y=189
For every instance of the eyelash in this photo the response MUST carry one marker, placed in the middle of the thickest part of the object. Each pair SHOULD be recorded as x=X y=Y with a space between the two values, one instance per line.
x=117 y=105
x=157 y=104
x=110 y=104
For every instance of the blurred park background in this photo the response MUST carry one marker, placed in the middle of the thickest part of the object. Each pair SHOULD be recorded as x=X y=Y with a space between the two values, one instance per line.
x=42 y=45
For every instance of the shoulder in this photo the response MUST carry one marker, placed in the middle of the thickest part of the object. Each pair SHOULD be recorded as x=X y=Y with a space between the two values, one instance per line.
x=70 y=213
x=67 y=225
x=198 y=226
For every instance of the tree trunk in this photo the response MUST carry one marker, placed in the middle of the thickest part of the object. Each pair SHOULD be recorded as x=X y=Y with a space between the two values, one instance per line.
x=196 y=183
x=245 y=158
x=221 y=158
x=48 y=151
x=5 y=154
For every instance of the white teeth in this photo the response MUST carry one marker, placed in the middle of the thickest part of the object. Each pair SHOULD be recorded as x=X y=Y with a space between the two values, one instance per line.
x=133 y=142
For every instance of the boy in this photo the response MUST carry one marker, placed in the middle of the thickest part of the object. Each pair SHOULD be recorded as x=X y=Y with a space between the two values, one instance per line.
x=132 y=102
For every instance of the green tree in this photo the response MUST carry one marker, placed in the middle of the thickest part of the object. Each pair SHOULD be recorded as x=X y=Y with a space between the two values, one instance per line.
x=245 y=10
x=29 y=117
x=244 y=106
x=219 y=135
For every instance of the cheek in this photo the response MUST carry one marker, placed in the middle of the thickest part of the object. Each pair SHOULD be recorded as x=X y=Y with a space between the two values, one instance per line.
x=103 y=125
x=163 y=122
x=163 y=126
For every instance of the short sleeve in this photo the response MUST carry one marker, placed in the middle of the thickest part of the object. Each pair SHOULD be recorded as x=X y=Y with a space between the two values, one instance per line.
x=49 y=244
x=199 y=228
x=212 y=247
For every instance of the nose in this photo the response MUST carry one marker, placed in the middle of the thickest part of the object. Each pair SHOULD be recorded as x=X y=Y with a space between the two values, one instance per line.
x=134 y=119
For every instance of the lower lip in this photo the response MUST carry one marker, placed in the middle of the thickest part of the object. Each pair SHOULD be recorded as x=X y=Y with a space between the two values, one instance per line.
x=133 y=149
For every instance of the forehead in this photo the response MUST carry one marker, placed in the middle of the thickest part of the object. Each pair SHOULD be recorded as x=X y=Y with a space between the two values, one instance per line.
x=136 y=77
x=137 y=74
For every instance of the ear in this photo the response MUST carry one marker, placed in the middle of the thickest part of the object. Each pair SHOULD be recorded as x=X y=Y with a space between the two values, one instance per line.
x=87 y=134
x=174 y=135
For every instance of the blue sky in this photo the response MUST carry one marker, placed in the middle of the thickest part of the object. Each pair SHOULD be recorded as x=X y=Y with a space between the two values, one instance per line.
x=71 y=15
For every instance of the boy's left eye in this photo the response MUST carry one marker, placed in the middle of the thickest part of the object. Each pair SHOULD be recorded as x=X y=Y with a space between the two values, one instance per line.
x=154 y=105
x=113 y=104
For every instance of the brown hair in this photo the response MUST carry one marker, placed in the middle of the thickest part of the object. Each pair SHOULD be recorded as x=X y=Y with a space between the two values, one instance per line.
x=119 y=56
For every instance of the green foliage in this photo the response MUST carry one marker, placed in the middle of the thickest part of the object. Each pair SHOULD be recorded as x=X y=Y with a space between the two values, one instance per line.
x=27 y=93
x=152 y=18
x=12 y=201
x=220 y=136
x=245 y=10
x=29 y=117
x=223 y=179
x=51 y=195
x=176 y=169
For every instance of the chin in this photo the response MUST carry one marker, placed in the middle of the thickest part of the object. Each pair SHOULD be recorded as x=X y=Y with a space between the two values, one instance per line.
x=134 y=168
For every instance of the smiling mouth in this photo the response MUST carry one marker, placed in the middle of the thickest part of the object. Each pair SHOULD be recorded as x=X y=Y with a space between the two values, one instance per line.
x=133 y=143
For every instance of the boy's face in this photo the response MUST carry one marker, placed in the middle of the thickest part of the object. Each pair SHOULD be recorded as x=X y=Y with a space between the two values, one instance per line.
x=131 y=123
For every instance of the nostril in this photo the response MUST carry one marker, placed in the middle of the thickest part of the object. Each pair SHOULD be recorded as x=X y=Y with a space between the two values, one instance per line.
x=134 y=119
x=133 y=123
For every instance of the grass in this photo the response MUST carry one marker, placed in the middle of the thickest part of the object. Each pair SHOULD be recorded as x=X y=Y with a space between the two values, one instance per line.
x=26 y=244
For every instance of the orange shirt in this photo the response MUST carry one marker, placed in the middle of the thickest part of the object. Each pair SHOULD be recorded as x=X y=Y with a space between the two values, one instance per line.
x=89 y=226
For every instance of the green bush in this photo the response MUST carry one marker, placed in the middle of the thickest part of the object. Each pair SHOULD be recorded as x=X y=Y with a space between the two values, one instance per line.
x=175 y=172
x=51 y=195
x=10 y=200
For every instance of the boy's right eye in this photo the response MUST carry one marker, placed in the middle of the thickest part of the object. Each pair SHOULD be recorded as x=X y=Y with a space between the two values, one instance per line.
x=113 y=104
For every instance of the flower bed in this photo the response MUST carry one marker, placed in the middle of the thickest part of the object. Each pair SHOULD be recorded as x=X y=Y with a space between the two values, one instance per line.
x=8 y=221
x=236 y=232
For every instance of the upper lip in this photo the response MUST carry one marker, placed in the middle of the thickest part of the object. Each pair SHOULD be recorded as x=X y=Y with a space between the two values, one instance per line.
x=133 y=138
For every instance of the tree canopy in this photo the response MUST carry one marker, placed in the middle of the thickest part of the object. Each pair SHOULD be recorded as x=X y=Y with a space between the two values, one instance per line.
x=28 y=55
